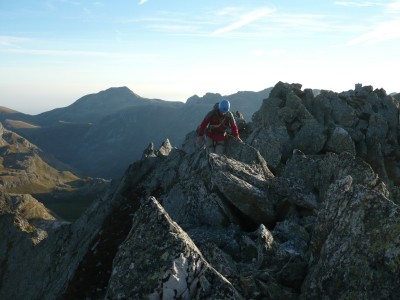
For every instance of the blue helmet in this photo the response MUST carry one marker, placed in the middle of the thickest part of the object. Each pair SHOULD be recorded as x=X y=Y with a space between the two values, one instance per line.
x=224 y=106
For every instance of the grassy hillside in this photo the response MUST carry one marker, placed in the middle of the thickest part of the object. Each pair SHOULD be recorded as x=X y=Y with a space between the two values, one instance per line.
x=23 y=171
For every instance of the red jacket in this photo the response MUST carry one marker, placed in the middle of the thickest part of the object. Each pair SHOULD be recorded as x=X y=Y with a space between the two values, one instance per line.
x=217 y=124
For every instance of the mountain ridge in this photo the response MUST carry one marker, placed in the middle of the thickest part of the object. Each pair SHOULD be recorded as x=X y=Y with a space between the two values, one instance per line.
x=309 y=198
x=125 y=94
x=118 y=121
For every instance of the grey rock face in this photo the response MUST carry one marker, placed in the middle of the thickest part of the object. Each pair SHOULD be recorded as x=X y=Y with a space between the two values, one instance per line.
x=355 y=245
x=340 y=141
x=163 y=266
x=288 y=123
x=191 y=204
x=318 y=172
x=27 y=247
x=243 y=187
x=364 y=123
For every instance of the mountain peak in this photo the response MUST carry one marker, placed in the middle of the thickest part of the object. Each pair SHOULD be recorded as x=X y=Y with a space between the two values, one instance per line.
x=122 y=90
x=93 y=107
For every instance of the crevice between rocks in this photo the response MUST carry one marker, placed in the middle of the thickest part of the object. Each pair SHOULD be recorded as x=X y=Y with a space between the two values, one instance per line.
x=91 y=278
x=3 y=264
x=245 y=223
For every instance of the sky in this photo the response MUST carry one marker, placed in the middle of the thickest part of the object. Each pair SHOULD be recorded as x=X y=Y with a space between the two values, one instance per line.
x=52 y=52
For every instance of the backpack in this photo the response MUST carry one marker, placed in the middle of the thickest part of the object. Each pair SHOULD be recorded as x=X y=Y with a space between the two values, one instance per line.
x=222 y=121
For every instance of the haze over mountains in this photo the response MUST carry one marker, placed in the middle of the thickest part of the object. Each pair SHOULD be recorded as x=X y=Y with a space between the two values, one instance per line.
x=100 y=134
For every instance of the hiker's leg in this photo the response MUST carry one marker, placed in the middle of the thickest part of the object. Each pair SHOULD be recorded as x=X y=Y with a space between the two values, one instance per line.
x=210 y=145
x=220 y=147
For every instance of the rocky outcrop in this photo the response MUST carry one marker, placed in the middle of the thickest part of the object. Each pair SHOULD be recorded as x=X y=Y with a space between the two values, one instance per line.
x=364 y=123
x=355 y=246
x=26 y=214
x=302 y=218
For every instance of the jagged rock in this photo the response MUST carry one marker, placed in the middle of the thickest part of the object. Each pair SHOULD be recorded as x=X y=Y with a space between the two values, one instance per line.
x=273 y=144
x=27 y=248
x=149 y=151
x=310 y=138
x=24 y=206
x=340 y=141
x=292 y=197
x=163 y=266
x=287 y=123
x=290 y=260
x=243 y=187
x=189 y=143
x=355 y=245
x=341 y=113
x=249 y=155
x=291 y=118
x=26 y=214
x=190 y=204
x=165 y=148
x=252 y=261
x=319 y=171
x=42 y=258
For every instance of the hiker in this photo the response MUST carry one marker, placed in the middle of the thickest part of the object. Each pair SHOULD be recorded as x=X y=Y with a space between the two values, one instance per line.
x=215 y=125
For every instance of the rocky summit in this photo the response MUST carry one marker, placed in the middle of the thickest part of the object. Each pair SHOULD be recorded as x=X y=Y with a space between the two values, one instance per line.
x=306 y=207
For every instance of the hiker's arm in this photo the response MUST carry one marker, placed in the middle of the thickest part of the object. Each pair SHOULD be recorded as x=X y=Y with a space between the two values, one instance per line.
x=203 y=125
x=234 y=129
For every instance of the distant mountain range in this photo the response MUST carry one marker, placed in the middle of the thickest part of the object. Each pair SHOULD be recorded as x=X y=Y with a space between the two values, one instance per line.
x=100 y=134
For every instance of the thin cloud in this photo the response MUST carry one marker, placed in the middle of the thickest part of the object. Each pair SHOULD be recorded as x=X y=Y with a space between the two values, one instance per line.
x=228 y=11
x=384 y=31
x=116 y=57
x=52 y=4
x=173 y=28
x=245 y=19
x=393 y=7
x=357 y=4
x=118 y=36
x=268 y=53
x=141 y=2
x=59 y=52
x=11 y=40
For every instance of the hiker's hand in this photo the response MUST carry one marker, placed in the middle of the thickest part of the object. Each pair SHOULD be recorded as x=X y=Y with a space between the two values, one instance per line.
x=200 y=141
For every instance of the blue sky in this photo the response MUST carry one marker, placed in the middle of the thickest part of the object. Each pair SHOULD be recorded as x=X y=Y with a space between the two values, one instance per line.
x=53 y=52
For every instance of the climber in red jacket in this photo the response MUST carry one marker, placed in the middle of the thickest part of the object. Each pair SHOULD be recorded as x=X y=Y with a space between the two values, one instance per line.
x=215 y=125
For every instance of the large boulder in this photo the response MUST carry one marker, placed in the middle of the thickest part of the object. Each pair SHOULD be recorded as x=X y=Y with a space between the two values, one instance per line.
x=284 y=123
x=364 y=122
x=158 y=260
x=243 y=187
